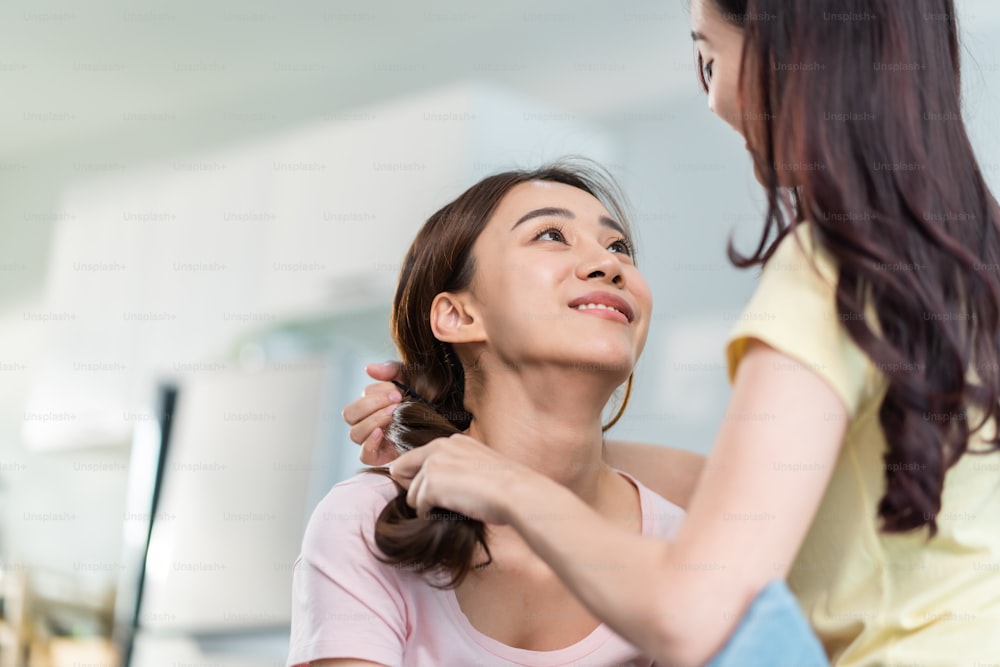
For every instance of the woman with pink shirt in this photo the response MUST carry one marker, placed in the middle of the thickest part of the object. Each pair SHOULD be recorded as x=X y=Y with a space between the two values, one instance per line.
x=519 y=303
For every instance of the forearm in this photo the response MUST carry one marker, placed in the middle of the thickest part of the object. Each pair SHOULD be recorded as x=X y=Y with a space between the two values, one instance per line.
x=621 y=577
x=671 y=472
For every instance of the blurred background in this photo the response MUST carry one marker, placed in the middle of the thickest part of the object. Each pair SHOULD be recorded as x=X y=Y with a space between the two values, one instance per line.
x=203 y=208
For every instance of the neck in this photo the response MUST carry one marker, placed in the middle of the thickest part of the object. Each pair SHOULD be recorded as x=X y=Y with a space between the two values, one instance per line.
x=548 y=419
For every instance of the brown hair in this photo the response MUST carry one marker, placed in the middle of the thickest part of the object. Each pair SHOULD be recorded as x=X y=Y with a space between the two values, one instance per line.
x=897 y=198
x=440 y=260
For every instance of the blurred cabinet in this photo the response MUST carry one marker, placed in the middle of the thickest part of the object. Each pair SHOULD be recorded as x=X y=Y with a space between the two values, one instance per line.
x=68 y=652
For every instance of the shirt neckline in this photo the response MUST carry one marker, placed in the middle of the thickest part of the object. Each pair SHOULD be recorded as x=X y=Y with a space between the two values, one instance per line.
x=563 y=656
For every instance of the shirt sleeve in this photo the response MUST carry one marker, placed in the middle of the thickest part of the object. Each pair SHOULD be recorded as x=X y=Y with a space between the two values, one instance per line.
x=345 y=602
x=794 y=311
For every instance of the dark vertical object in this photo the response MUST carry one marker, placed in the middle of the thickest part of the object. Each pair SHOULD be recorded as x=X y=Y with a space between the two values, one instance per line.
x=140 y=500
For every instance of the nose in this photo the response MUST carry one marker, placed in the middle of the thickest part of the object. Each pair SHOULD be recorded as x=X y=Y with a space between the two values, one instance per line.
x=602 y=266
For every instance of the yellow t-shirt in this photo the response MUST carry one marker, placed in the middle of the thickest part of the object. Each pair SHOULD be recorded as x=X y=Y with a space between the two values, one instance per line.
x=876 y=598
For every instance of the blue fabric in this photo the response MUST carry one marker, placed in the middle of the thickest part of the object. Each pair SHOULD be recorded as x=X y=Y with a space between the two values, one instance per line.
x=773 y=633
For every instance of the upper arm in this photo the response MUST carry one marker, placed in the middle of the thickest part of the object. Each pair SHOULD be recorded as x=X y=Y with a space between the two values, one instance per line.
x=670 y=472
x=759 y=492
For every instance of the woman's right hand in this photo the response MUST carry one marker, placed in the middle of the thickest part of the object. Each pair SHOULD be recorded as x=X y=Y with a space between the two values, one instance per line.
x=369 y=415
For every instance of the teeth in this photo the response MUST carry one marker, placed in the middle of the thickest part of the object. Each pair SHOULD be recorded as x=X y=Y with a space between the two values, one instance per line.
x=599 y=306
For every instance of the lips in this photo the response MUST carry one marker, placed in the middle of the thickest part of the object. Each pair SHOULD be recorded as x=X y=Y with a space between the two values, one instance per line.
x=603 y=300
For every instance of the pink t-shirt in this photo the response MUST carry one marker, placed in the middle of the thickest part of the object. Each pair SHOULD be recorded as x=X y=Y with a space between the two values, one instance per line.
x=347 y=604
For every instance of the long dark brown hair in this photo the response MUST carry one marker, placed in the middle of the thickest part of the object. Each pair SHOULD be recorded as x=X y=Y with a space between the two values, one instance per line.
x=440 y=260
x=862 y=135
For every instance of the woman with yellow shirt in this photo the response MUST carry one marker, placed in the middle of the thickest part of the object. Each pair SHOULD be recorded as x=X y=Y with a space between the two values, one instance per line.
x=873 y=339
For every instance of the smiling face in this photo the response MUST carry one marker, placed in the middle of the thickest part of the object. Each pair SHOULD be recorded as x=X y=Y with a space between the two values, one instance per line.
x=555 y=283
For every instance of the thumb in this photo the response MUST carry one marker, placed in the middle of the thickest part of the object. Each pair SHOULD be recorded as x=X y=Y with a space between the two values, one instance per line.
x=386 y=371
x=398 y=476
x=405 y=467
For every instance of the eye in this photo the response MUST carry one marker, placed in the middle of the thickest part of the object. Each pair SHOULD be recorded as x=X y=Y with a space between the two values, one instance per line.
x=551 y=234
x=622 y=246
x=705 y=71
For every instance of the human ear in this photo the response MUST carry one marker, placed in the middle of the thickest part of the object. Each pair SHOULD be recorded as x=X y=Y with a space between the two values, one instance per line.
x=454 y=319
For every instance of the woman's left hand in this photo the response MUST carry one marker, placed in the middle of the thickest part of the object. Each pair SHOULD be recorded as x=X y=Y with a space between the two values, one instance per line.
x=461 y=474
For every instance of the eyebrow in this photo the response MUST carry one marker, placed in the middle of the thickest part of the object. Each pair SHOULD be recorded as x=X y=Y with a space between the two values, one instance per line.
x=552 y=211
x=699 y=37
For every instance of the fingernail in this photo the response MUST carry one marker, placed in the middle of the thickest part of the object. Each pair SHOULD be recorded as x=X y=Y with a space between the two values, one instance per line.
x=395 y=396
x=389 y=410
